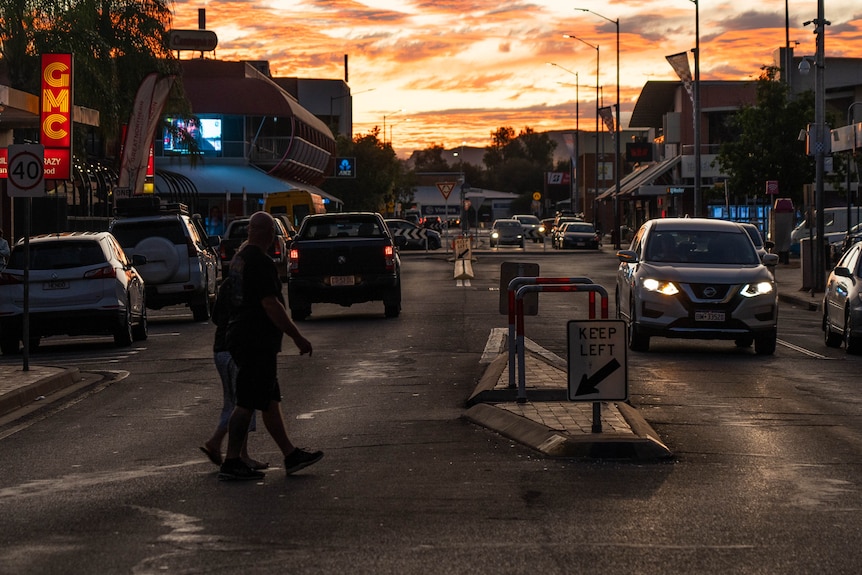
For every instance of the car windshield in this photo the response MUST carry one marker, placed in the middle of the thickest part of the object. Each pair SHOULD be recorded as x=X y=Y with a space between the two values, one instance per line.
x=700 y=247
x=131 y=233
x=579 y=228
x=528 y=220
x=334 y=228
x=507 y=224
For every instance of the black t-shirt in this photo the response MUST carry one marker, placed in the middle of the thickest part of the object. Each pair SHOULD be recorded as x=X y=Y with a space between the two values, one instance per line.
x=254 y=277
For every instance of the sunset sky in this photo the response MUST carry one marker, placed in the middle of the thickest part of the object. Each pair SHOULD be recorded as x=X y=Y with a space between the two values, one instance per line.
x=460 y=69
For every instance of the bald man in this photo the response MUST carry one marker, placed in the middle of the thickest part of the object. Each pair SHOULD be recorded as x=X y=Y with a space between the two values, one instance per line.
x=258 y=319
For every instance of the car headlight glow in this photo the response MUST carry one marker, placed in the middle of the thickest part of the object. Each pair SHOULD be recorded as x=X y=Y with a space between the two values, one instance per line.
x=495 y=235
x=760 y=288
x=662 y=287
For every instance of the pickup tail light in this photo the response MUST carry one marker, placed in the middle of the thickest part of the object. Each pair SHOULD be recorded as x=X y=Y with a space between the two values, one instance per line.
x=293 y=260
x=389 y=256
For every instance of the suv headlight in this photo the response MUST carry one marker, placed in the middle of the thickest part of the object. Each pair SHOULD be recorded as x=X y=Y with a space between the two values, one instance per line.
x=760 y=288
x=662 y=287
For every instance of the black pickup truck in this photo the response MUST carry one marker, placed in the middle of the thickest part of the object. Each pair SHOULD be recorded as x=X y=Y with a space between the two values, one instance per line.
x=344 y=258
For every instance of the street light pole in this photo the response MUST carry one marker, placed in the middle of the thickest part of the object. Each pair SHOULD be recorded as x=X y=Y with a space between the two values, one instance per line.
x=615 y=234
x=598 y=104
x=819 y=146
x=575 y=175
x=697 y=173
x=332 y=99
x=384 y=122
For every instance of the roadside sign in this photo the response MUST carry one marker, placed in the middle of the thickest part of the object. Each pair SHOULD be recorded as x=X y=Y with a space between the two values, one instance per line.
x=772 y=187
x=597 y=360
x=446 y=188
x=26 y=171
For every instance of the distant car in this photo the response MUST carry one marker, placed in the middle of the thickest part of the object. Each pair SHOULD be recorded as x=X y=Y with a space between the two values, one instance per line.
x=533 y=227
x=558 y=224
x=842 y=304
x=757 y=239
x=432 y=223
x=507 y=233
x=416 y=237
x=697 y=278
x=81 y=283
x=578 y=235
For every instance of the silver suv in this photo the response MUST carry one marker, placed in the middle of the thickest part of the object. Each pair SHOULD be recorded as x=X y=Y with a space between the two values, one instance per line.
x=697 y=278
x=182 y=261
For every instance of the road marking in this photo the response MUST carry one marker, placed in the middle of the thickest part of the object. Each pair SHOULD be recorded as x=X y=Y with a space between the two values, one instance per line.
x=802 y=350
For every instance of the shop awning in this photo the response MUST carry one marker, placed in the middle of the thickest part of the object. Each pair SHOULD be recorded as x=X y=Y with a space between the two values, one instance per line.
x=209 y=179
x=630 y=183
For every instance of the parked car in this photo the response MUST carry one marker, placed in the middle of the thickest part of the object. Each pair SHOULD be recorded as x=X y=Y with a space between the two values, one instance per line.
x=182 y=263
x=697 y=278
x=559 y=222
x=506 y=233
x=578 y=235
x=842 y=305
x=532 y=226
x=416 y=238
x=80 y=283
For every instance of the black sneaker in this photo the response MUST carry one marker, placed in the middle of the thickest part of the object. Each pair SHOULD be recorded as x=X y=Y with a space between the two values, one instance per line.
x=237 y=470
x=301 y=459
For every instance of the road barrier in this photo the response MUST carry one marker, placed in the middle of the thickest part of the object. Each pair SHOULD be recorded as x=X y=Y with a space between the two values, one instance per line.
x=517 y=289
x=463 y=258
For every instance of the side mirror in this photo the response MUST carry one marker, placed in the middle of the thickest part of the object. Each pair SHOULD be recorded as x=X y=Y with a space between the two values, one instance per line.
x=627 y=256
x=400 y=241
x=770 y=260
x=844 y=273
x=769 y=245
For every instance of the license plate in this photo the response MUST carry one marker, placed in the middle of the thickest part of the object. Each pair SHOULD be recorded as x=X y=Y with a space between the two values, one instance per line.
x=55 y=285
x=341 y=281
x=709 y=316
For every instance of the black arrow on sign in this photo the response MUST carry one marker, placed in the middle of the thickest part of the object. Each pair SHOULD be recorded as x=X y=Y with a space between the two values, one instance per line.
x=588 y=385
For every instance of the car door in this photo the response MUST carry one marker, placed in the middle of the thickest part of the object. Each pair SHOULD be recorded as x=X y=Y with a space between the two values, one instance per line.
x=626 y=275
x=839 y=287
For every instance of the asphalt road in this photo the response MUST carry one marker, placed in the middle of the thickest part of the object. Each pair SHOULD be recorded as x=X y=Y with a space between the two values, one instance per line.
x=765 y=478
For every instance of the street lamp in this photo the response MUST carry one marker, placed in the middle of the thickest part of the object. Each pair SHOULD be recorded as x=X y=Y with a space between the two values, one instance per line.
x=618 y=136
x=332 y=100
x=820 y=144
x=384 y=121
x=598 y=104
x=575 y=175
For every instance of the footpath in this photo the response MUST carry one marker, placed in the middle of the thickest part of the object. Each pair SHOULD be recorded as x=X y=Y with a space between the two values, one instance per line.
x=546 y=421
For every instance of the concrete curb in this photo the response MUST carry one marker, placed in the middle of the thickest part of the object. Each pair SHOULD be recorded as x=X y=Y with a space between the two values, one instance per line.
x=642 y=446
x=26 y=395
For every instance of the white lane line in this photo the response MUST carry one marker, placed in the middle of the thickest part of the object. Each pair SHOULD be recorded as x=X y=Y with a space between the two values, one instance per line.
x=802 y=350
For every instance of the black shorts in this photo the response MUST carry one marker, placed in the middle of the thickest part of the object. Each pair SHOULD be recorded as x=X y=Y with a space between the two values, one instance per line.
x=256 y=379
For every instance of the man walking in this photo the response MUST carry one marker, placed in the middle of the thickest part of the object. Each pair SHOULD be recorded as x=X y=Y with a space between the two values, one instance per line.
x=258 y=319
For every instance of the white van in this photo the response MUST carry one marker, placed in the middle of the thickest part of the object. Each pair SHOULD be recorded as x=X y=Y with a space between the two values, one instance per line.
x=834 y=226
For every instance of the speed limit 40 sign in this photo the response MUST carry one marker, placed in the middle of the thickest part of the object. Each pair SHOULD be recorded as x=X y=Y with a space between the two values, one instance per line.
x=26 y=170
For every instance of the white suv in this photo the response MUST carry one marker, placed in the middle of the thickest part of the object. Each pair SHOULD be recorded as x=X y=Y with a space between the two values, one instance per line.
x=697 y=278
x=81 y=283
x=182 y=261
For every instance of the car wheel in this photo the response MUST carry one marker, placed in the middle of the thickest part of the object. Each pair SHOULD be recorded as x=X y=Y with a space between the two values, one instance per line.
x=162 y=259
x=392 y=302
x=123 y=333
x=140 y=330
x=764 y=344
x=831 y=338
x=637 y=341
x=852 y=344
